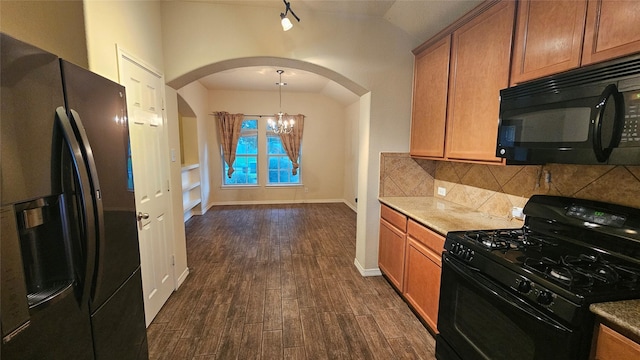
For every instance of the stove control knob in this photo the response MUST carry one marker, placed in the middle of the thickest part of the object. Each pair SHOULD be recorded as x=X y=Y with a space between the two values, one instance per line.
x=467 y=254
x=544 y=298
x=458 y=249
x=524 y=286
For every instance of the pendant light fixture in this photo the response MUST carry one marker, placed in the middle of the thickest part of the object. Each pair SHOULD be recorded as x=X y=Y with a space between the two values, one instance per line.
x=281 y=126
x=286 y=23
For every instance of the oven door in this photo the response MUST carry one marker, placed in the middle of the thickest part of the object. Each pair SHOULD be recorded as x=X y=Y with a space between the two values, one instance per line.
x=479 y=319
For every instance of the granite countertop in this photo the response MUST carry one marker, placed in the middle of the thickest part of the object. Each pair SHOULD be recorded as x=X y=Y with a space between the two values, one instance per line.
x=623 y=314
x=443 y=216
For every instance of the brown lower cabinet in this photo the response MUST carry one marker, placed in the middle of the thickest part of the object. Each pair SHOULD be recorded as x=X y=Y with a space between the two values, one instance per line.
x=410 y=256
x=391 y=245
x=611 y=345
x=422 y=281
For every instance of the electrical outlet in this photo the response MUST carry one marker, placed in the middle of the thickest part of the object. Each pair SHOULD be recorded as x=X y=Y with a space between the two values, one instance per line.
x=306 y=189
x=442 y=191
x=517 y=213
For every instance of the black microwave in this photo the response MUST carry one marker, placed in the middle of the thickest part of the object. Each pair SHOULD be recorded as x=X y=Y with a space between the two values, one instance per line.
x=584 y=116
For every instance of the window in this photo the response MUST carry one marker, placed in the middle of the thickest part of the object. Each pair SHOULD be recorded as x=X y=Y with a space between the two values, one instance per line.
x=280 y=165
x=246 y=163
x=249 y=154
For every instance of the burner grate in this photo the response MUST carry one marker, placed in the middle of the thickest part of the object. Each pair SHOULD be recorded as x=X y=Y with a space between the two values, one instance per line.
x=509 y=239
x=583 y=271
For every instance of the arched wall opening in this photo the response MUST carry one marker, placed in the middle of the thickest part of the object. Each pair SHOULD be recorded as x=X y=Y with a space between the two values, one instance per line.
x=213 y=68
x=359 y=114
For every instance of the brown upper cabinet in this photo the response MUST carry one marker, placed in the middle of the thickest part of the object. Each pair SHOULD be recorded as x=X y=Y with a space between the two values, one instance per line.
x=480 y=58
x=457 y=79
x=612 y=30
x=555 y=36
x=548 y=38
x=429 y=111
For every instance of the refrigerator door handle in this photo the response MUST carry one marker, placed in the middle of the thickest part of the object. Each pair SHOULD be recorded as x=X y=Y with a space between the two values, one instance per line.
x=86 y=198
x=97 y=199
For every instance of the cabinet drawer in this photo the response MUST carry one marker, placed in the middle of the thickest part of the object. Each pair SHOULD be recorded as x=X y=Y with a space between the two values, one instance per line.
x=429 y=238
x=393 y=217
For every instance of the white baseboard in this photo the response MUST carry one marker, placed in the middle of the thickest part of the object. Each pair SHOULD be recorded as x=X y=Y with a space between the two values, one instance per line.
x=367 y=272
x=269 y=202
x=182 y=278
x=351 y=206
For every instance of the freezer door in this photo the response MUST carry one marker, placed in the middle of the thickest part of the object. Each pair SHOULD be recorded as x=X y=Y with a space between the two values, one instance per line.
x=42 y=318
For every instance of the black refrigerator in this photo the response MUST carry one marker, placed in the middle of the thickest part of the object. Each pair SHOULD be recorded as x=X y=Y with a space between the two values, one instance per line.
x=70 y=262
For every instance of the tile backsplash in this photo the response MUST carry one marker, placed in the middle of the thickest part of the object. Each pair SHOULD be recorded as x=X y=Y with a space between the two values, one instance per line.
x=495 y=189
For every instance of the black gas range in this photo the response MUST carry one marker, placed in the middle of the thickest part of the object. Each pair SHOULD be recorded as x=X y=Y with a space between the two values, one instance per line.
x=534 y=285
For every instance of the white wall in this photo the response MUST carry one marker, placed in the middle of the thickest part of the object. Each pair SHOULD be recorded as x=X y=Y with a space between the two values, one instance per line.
x=175 y=167
x=135 y=26
x=358 y=52
x=323 y=147
x=351 y=154
x=38 y=23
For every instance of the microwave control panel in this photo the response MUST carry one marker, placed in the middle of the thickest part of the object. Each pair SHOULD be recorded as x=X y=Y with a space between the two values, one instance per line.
x=631 y=130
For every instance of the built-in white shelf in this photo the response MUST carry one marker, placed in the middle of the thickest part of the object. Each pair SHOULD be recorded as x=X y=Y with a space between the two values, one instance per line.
x=191 y=194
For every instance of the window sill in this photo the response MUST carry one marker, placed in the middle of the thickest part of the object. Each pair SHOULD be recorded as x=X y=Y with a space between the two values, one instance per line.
x=283 y=185
x=236 y=186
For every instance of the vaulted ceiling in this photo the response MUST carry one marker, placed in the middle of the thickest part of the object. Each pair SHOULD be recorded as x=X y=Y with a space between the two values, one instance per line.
x=419 y=18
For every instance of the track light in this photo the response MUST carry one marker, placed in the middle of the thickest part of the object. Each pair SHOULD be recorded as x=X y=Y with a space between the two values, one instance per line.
x=286 y=23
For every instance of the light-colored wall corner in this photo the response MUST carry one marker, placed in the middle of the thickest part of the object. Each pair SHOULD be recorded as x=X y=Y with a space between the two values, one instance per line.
x=367 y=272
x=54 y=26
x=175 y=176
x=350 y=192
x=139 y=33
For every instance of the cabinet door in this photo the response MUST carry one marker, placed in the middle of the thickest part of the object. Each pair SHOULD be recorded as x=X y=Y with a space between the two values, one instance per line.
x=430 y=84
x=422 y=281
x=481 y=55
x=548 y=38
x=611 y=345
x=391 y=253
x=612 y=30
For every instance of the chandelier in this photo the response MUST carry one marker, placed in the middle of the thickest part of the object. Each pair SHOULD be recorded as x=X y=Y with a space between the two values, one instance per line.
x=281 y=126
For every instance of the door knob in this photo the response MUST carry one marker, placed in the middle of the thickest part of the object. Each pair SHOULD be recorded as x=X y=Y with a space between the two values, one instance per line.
x=142 y=216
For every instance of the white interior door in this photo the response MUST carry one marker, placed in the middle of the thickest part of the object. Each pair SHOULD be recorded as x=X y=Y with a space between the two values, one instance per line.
x=149 y=155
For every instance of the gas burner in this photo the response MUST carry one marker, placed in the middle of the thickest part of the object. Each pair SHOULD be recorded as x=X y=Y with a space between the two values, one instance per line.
x=508 y=239
x=487 y=239
x=559 y=272
x=584 y=271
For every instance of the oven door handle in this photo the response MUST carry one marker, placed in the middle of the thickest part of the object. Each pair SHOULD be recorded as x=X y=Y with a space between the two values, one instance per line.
x=490 y=286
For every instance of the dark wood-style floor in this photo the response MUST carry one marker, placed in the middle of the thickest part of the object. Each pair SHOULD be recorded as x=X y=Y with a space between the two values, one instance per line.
x=278 y=282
